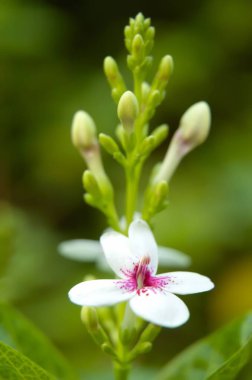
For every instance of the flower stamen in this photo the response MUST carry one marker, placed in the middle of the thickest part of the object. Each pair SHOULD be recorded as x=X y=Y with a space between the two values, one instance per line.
x=142 y=269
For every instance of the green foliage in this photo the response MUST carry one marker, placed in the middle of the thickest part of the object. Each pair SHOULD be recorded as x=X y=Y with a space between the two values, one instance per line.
x=218 y=357
x=20 y=334
x=15 y=366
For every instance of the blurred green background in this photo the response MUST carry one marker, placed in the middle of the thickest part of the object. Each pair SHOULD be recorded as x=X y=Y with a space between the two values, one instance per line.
x=51 y=55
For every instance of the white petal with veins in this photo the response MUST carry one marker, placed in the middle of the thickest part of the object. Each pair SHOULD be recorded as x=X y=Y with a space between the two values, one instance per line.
x=187 y=282
x=143 y=244
x=117 y=252
x=98 y=293
x=163 y=309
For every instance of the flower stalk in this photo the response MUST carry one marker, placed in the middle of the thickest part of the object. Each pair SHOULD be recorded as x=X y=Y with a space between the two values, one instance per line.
x=114 y=310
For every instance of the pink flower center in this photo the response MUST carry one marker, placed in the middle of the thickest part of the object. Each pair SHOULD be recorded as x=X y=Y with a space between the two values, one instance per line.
x=141 y=278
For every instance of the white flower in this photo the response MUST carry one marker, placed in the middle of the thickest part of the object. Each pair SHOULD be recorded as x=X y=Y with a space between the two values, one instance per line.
x=134 y=259
x=86 y=250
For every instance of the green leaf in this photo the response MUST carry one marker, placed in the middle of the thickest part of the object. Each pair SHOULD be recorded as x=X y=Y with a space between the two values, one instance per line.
x=19 y=333
x=15 y=366
x=218 y=357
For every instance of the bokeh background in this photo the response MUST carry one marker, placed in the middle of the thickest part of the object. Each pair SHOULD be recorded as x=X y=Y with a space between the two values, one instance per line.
x=51 y=55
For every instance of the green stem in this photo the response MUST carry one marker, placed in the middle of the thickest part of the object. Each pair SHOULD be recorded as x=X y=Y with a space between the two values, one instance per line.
x=112 y=217
x=138 y=87
x=132 y=180
x=121 y=371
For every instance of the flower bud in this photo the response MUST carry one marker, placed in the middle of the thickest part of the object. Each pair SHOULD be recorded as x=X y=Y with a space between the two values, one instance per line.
x=89 y=318
x=143 y=348
x=108 y=143
x=160 y=134
x=128 y=335
x=110 y=69
x=195 y=124
x=166 y=67
x=90 y=183
x=145 y=90
x=108 y=349
x=83 y=132
x=150 y=333
x=138 y=47
x=193 y=131
x=139 y=18
x=150 y=32
x=114 y=78
x=163 y=74
x=147 y=145
x=112 y=72
x=128 y=110
x=139 y=349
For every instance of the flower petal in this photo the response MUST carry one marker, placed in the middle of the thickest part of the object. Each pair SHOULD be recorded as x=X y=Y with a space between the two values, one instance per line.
x=80 y=249
x=187 y=282
x=117 y=252
x=163 y=309
x=142 y=243
x=98 y=293
x=172 y=257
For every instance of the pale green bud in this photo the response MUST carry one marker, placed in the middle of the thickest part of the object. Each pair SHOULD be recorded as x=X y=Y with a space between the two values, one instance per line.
x=161 y=191
x=138 y=47
x=150 y=32
x=139 y=349
x=155 y=98
x=89 y=318
x=155 y=196
x=160 y=134
x=147 y=145
x=147 y=22
x=90 y=200
x=128 y=110
x=106 y=347
x=132 y=22
x=90 y=183
x=83 y=132
x=163 y=74
x=145 y=90
x=150 y=333
x=166 y=67
x=195 y=125
x=193 y=131
x=111 y=70
x=139 y=18
x=131 y=62
x=156 y=138
x=114 y=77
x=127 y=31
x=108 y=143
x=120 y=132
x=120 y=158
x=144 y=348
x=128 y=335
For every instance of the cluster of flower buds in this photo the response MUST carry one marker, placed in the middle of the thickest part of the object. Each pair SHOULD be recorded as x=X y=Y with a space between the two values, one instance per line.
x=101 y=325
x=136 y=143
x=100 y=193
